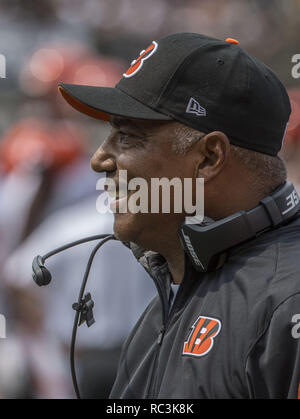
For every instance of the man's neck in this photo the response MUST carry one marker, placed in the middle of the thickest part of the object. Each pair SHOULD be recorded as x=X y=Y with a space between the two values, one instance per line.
x=175 y=260
x=232 y=203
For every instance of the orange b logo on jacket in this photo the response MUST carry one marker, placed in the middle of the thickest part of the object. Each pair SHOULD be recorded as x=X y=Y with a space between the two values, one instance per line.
x=201 y=338
x=137 y=64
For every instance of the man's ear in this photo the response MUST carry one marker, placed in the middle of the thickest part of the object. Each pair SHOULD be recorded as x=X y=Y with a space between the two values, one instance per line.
x=215 y=151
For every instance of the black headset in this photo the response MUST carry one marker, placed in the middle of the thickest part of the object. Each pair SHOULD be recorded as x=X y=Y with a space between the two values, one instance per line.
x=206 y=244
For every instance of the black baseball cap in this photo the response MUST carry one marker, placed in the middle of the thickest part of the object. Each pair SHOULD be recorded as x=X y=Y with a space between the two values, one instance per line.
x=202 y=82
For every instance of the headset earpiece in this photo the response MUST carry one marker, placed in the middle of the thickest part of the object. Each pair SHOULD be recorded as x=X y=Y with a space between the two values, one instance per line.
x=40 y=275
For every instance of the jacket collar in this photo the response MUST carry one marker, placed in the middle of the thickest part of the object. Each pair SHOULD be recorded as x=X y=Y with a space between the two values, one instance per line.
x=157 y=267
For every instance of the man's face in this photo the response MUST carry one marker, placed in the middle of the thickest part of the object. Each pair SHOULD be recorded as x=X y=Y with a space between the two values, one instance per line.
x=144 y=150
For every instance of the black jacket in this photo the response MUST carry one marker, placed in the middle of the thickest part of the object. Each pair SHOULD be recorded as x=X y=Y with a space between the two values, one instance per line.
x=232 y=333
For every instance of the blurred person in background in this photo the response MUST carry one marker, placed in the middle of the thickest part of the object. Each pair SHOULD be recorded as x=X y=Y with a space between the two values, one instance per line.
x=291 y=146
x=47 y=183
x=27 y=188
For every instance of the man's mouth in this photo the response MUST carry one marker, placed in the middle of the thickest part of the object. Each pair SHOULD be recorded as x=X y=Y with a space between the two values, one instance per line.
x=116 y=193
x=118 y=198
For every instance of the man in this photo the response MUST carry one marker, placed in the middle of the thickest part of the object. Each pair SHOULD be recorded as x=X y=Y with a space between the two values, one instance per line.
x=191 y=106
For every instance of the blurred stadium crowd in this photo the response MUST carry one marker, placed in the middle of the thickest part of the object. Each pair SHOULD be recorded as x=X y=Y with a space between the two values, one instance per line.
x=48 y=191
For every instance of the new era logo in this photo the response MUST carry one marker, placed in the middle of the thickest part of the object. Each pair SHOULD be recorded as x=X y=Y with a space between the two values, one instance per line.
x=195 y=108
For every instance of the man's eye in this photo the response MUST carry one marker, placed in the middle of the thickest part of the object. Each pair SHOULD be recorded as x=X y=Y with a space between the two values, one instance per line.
x=129 y=140
x=124 y=136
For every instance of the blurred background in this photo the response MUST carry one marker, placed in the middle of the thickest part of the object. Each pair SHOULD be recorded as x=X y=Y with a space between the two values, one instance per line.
x=48 y=191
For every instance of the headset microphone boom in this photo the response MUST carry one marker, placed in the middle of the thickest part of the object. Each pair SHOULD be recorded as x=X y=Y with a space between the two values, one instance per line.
x=84 y=306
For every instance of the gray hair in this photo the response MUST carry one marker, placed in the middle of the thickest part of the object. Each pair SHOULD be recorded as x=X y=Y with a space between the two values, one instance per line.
x=266 y=172
x=185 y=137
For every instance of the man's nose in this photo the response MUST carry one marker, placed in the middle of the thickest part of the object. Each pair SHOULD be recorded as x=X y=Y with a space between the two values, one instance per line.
x=102 y=161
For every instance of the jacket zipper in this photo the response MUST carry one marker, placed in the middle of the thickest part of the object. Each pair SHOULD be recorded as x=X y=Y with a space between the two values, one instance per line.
x=159 y=341
x=161 y=335
x=153 y=375
x=166 y=319
x=165 y=310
